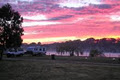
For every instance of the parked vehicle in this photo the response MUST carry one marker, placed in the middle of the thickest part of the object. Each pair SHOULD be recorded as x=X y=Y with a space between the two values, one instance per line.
x=36 y=50
x=14 y=52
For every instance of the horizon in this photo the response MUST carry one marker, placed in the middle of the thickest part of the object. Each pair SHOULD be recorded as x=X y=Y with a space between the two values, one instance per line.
x=52 y=21
x=117 y=39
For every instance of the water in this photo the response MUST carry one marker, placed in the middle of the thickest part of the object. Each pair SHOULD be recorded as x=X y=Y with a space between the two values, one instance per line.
x=84 y=54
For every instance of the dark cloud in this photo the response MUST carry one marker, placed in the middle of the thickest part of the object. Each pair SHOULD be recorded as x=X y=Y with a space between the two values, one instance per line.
x=116 y=28
x=87 y=12
x=61 y=17
x=34 y=6
x=103 y=6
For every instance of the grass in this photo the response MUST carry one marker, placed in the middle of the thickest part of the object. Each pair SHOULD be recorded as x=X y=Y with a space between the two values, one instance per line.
x=63 y=68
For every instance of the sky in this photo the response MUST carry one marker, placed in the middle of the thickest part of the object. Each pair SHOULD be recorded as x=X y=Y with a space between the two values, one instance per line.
x=49 y=21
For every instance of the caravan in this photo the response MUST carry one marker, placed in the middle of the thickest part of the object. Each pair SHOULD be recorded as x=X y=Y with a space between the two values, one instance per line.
x=36 y=50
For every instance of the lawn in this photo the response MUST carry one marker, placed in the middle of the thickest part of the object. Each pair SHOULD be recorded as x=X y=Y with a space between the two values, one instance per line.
x=42 y=68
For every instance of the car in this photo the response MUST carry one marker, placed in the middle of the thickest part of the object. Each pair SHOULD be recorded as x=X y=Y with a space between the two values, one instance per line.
x=14 y=52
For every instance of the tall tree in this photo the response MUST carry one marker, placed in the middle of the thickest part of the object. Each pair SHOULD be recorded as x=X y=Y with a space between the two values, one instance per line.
x=10 y=28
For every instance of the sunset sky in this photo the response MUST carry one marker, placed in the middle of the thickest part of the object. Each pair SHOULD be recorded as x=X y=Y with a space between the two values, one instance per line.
x=49 y=21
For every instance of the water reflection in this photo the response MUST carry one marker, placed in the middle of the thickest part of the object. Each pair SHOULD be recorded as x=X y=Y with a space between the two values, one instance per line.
x=84 y=54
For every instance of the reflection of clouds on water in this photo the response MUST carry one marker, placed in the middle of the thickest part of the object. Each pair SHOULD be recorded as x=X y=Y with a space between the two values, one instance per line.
x=84 y=54
x=112 y=54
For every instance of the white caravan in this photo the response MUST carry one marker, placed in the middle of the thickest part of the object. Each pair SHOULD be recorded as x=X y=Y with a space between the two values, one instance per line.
x=36 y=50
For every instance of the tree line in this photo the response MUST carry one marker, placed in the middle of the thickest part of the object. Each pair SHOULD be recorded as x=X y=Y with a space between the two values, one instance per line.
x=96 y=45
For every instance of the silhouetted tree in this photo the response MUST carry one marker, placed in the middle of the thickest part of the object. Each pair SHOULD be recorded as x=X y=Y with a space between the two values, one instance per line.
x=10 y=28
x=60 y=49
x=39 y=43
x=71 y=47
x=33 y=44
x=95 y=53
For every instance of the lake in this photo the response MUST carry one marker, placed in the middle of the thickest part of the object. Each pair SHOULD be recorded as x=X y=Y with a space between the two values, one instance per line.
x=84 y=54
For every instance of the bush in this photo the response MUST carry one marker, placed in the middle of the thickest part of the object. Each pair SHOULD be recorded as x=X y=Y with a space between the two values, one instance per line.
x=94 y=53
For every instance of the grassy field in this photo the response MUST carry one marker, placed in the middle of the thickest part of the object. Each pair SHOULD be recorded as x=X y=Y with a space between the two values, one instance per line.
x=63 y=68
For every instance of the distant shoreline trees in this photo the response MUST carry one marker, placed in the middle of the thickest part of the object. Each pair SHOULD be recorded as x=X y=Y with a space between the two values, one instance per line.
x=10 y=28
x=94 y=46
x=71 y=47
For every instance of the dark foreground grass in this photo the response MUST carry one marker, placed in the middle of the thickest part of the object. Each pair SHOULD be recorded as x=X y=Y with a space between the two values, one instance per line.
x=56 y=70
